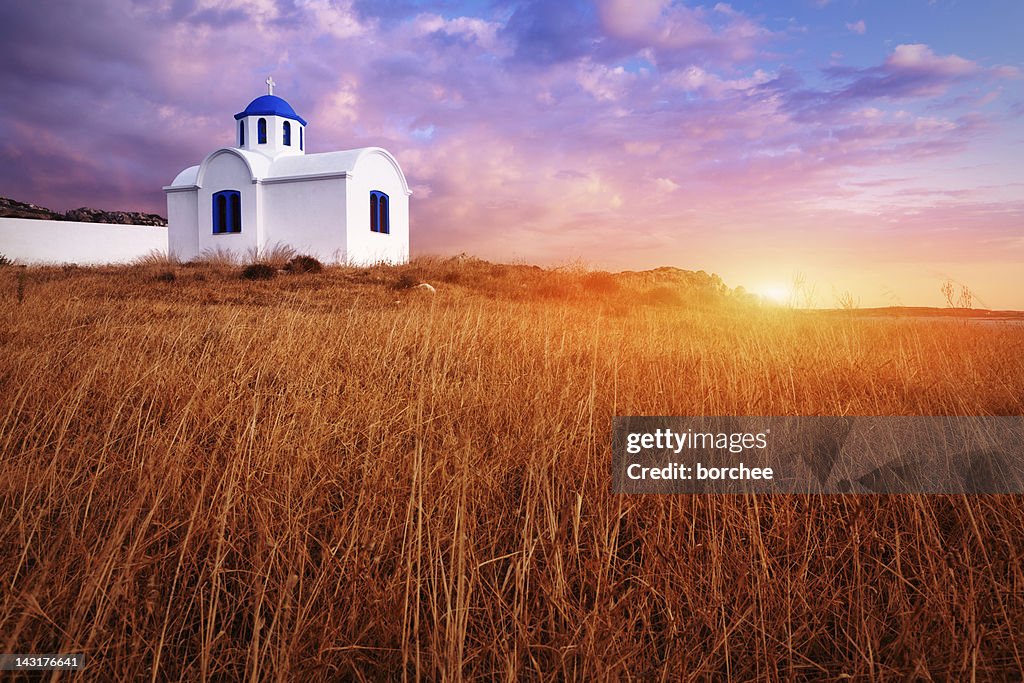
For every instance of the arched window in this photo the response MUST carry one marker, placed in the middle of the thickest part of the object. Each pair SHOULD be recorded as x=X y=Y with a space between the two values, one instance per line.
x=261 y=128
x=287 y=134
x=227 y=212
x=241 y=133
x=379 y=216
x=300 y=137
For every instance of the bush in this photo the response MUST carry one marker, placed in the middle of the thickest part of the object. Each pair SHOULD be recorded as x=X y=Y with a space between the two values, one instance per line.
x=599 y=283
x=276 y=255
x=166 y=276
x=661 y=296
x=4 y=261
x=258 y=271
x=551 y=288
x=157 y=259
x=218 y=258
x=303 y=264
x=406 y=281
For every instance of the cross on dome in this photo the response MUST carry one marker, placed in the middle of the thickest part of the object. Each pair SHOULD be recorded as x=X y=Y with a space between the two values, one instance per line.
x=270 y=85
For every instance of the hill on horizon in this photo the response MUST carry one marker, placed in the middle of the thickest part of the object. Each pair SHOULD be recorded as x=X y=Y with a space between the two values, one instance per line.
x=12 y=208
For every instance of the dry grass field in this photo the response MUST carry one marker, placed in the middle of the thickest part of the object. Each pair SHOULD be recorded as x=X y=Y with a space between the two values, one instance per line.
x=334 y=476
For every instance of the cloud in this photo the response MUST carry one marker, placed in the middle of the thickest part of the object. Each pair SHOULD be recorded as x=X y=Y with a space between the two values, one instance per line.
x=603 y=82
x=666 y=184
x=909 y=71
x=555 y=125
x=676 y=31
x=858 y=27
x=470 y=30
x=698 y=80
x=921 y=59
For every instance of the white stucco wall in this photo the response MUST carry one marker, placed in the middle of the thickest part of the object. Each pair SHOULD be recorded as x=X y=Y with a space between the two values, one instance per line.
x=225 y=170
x=31 y=241
x=183 y=214
x=307 y=215
x=374 y=171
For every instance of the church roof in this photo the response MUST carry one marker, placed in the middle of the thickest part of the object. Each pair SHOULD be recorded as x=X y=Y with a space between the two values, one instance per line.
x=187 y=177
x=270 y=105
x=289 y=167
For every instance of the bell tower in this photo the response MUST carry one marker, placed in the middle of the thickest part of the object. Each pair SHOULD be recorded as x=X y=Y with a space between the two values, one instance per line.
x=270 y=126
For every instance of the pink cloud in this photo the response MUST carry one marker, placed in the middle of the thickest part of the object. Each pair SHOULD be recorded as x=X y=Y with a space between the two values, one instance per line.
x=650 y=129
x=921 y=58
x=663 y=25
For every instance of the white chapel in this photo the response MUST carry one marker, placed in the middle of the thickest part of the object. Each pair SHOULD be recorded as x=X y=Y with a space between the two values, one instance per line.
x=350 y=206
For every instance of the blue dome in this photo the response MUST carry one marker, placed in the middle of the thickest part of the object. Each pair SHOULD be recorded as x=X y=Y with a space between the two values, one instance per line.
x=270 y=105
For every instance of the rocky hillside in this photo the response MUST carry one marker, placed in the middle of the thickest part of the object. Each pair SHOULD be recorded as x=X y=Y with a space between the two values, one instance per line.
x=10 y=208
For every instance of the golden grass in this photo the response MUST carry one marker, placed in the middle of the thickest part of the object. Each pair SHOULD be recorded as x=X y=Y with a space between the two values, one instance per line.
x=325 y=477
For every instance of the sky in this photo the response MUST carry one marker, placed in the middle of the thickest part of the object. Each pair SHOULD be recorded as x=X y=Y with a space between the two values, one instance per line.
x=868 y=148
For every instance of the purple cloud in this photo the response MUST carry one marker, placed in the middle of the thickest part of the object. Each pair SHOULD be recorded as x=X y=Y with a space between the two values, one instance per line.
x=534 y=130
x=677 y=33
x=909 y=71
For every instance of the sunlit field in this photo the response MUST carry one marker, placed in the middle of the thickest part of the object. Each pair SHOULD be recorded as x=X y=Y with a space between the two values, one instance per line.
x=340 y=476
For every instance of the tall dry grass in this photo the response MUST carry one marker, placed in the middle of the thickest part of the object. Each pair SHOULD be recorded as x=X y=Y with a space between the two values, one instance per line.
x=325 y=477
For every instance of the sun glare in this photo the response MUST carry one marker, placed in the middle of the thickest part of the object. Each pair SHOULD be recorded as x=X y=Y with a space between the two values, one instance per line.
x=774 y=293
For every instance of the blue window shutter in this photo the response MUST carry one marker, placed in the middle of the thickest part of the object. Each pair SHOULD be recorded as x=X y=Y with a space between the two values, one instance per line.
x=241 y=133
x=220 y=212
x=262 y=130
x=301 y=129
x=236 y=212
x=287 y=134
x=374 y=226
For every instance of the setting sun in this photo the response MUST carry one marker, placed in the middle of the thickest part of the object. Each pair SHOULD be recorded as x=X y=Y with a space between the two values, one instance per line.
x=775 y=292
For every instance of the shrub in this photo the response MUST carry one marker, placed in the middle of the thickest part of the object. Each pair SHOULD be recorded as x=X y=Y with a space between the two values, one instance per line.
x=661 y=296
x=157 y=258
x=4 y=261
x=166 y=276
x=406 y=281
x=599 y=283
x=551 y=288
x=218 y=258
x=277 y=254
x=303 y=264
x=258 y=271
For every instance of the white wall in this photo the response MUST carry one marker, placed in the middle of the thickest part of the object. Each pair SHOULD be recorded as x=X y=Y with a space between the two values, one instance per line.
x=183 y=214
x=32 y=241
x=307 y=215
x=375 y=172
x=227 y=171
